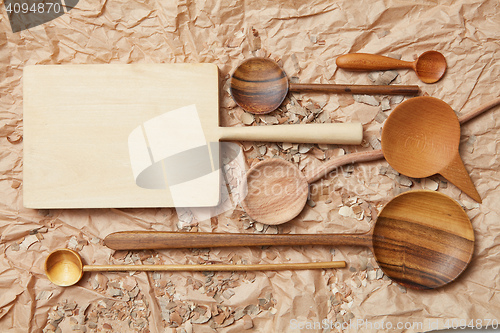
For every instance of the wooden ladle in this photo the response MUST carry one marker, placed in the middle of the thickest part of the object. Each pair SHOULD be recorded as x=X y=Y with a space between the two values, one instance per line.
x=420 y=138
x=64 y=267
x=259 y=86
x=421 y=239
x=429 y=67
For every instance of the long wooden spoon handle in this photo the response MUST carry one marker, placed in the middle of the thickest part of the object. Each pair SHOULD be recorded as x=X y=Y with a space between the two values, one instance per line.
x=374 y=155
x=151 y=240
x=214 y=267
x=337 y=162
x=369 y=62
x=479 y=110
x=334 y=133
x=410 y=90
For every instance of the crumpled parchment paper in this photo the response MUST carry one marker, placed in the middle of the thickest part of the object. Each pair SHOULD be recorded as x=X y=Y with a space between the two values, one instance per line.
x=306 y=37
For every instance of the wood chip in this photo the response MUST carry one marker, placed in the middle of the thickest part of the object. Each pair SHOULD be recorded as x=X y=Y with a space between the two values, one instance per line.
x=430 y=184
x=345 y=100
x=295 y=62
x=396 y=99
x=252 y=310
x=366 y=99
x=28 y=241
x=175 y=319
x=380 y=117
x=247 y=118
x=15 y=246
x=44 y=295
x=470 y=144
x=385 y=104
x=305 y=148
x=470 y=205
x=374 y=142
x=239 y=313
x=346 y=211
x=200 y=319
x=271 y=120
x=227 y=294
x=404 y=181
x=247 y=322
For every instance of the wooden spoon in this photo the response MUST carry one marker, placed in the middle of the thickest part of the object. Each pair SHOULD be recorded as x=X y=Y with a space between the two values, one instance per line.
x=64 y=267
x=259 y=86
x=430 y=66
x=421 y=239
x=420 y=138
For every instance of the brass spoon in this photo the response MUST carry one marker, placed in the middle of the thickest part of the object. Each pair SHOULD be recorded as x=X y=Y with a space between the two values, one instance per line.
x=420 y=138
x=421 y=239
x=429 y=67
x=64 y=267
x=259 y=86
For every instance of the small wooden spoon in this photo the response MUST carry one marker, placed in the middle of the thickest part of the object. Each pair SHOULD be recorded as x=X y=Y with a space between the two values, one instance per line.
x=429 y=67
x=259 y=86
x=420 y=138
x=64 y=267
x=421 y=239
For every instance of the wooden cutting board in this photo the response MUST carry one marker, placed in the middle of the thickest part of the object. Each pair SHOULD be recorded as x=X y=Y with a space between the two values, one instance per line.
x=94 y=136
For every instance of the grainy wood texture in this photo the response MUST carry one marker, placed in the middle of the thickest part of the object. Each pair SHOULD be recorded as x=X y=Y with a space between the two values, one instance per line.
x=259 y=86
x=64 y=267
x=277 y=191
x=78 y=118
x=421 y=138
x=421 y=239
x=429 y=67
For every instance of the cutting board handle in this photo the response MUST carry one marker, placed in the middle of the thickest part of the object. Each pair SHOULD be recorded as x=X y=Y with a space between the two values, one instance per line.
x=334 y=133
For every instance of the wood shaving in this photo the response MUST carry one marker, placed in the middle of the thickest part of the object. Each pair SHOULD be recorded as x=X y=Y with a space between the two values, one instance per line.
x=404 y=181
x=385 y=104
x=295 y=62
x=386 y=77
x=28 y=241
x=430 y=184
x=346 y=211
x=380 y=117
x=247 y=118
x=247 y=322
x=271 y=120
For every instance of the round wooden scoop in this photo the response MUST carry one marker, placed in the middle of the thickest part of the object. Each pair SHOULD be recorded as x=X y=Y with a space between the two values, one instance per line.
x=429 y=67
x=419 y=139
x=259 y=86
x=421 y=239
x=64 y=267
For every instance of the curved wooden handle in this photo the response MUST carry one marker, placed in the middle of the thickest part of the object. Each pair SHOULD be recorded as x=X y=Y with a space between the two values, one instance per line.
x=335 y=133
x=410 y=90
x=334 y=163
x=214 y=267
x=151 y=240
x=479 y=110
x=370 y=62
